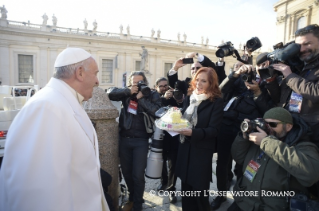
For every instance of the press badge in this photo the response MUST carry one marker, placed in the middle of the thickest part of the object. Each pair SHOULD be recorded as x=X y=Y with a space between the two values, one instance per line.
x=229 y=103
x=295 y=102
x=251 y=170
x=132 y=108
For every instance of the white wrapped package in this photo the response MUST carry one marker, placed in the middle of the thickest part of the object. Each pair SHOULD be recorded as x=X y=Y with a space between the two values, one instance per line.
x=172 y=121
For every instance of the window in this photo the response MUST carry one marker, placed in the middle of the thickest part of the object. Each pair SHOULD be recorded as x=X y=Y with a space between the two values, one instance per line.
x=137 y=65
x=167 y=67
x=25 y=68
x=107 y=71
x=301 y=23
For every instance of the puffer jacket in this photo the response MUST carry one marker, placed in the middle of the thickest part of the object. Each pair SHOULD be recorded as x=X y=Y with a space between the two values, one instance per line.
x=148 y=104
x=296 y=156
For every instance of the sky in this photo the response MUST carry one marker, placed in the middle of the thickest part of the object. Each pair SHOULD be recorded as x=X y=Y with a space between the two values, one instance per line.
x=218 y=20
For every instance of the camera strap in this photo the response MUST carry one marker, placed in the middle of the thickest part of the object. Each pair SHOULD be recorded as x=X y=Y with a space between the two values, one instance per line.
x=149 y=123
x=239 y=58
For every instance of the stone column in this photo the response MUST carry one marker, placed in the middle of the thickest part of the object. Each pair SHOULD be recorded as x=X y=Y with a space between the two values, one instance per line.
x=4 y=63
x=42 y=73
x=103 y=113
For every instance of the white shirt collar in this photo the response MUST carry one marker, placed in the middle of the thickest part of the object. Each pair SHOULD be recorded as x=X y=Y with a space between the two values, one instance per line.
x=78 y=96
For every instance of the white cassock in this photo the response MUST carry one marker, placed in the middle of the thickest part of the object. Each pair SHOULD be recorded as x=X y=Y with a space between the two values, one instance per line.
x=51 y=159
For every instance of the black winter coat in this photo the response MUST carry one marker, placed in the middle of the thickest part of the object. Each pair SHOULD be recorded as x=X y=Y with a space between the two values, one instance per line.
x=245 y=105
x=145 y=104
x=194 y=161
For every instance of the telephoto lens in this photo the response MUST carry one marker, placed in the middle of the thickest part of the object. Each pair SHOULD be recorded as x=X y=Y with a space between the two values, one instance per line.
x=155 y=157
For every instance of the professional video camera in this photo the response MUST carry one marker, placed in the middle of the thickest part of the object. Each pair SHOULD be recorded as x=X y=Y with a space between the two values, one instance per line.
x=287 y=54
x=253 y=44
x=146 y=91
x=251 y=126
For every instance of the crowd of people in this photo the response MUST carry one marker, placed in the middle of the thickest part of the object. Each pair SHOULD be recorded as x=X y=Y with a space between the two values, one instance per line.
x=242 y=117
x=268 y=125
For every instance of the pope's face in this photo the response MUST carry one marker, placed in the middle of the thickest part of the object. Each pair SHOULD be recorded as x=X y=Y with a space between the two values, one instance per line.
x=90 y=79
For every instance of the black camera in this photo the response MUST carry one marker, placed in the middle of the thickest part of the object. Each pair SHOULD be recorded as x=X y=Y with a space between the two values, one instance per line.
x=253 y=44
x=251 y=126
x=248 y=77
x=178 y=93
x=226 y=49
x=287 y=54
x=142 y=87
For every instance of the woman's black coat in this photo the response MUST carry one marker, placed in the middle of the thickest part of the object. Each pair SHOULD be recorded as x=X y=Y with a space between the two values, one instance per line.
x=194 y=161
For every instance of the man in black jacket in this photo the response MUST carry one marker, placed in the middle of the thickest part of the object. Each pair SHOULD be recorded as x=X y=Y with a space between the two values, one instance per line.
x=170 y=143
x=133 y=135
x=202 y=61
x=242 y=100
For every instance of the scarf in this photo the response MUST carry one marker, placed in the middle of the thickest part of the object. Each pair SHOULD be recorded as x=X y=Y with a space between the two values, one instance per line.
x=191 y=112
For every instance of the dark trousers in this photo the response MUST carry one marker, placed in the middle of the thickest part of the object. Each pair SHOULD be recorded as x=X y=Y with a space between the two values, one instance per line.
x=168 y=173
x=225 y=140
x=133 y=159
x=195 y=202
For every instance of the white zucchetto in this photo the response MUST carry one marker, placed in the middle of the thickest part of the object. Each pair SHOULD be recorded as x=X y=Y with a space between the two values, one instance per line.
x=71 y=56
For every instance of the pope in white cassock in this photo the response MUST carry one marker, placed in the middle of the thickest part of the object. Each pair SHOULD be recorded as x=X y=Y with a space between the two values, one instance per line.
x=51 y=159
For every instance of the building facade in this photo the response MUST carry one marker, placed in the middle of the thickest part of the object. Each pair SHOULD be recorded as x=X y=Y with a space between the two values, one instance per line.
x=28 y=52
x=293 y=15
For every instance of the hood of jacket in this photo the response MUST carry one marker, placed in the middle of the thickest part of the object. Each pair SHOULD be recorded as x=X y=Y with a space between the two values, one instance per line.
x=300 y=131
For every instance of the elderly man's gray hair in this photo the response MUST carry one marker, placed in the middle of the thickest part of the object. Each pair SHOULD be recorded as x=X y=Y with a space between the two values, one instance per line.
x=67 y=71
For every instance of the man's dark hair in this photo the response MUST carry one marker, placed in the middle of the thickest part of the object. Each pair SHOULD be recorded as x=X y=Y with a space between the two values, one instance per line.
x=160 y=79
x=141 y=73
x=314 y=29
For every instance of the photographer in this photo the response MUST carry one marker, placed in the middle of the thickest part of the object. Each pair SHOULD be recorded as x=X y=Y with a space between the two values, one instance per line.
x=243 y=98
x=134 y=144
x=202 y=61
x=299 y=93
x=170 y=143
x=281 y=159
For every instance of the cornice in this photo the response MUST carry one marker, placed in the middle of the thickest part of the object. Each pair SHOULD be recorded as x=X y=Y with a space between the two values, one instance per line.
x=280 y=3
x=97 y=40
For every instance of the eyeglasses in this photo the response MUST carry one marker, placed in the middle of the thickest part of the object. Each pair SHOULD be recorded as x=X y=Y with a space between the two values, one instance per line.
x=306 y=29
x=163 y=86
x=274 y=124
x=197 y=68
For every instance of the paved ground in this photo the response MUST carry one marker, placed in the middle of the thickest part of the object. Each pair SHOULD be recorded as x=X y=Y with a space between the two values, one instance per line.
x=161 y=203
